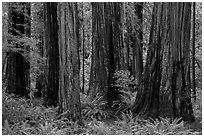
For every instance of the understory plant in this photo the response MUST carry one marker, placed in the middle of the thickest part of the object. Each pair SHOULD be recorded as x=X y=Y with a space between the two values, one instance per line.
x=126 y=86
x=21 y=117
x=167 y=126
x=94 y=109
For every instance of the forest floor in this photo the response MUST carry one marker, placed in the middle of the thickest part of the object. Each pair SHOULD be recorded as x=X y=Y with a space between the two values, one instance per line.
x=21 y=116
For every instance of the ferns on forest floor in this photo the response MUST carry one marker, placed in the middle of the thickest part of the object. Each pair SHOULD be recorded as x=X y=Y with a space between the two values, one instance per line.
x=94 y=109
x=22 y=118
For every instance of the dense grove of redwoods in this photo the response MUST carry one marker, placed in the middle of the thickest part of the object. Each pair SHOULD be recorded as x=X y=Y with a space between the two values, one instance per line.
x=117 y=43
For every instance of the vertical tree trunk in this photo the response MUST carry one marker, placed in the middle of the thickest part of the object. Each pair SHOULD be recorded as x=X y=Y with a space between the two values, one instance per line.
x=137 y=44
x=193 y=53
x=52 y=54
x=99 y=75
x=180 y=18
x=40 y=79
x=117 y=36
x=123 y=28
x=147 y=100
x=17 y=66
x=83 y=50
x=107 y=50
x=69 y=66
x=129 y=43
x=115 y=43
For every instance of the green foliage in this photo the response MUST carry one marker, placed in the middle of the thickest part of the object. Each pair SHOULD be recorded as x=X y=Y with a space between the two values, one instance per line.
x=123 y=81
x=126 y=86
x=28 y=47
x=125 y=123
x=126 y=103
x=23 y=117
x=166 y=126
x=99 y=128
x=197 y=104
x=85 y=39
x=13 y=109
x=129 y=125
x=93 y=109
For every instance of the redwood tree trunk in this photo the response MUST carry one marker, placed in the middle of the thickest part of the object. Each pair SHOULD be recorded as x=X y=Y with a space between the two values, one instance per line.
x=147 y=100
x=52 y=54
x=137 y=45
x=115 y=43
x=180 y=18
x=193 y=53
x=108 y=49
x=69 y=65
x=99 y=75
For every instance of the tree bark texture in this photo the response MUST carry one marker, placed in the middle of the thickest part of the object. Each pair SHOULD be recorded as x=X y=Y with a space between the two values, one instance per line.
x=137 y=44
x=117 y=37
x=180 y=24
x=108 y=49
x=115 y=43
x=99 y=75
x=147 y=100
x=83 y=51
x=69 y=66
x=52 y=54
x=17 y=65
x=193 y=53
x=123 y=28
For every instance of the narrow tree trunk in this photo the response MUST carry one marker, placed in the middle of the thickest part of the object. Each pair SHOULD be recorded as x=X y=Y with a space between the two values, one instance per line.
x=52 y=54
x=69 y=66
x=137 y=45
x=40 y=79
x=83 y=50
x=193 y=53
x=126 y=46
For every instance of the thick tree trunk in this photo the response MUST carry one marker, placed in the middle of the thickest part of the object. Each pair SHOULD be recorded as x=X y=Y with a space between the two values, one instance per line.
x=69 y=66
x=99 y=75
x=107 y=50
x=52 y=54
x=115 y=43
x=180 y=18
x=17 y=65
x=147 y=100
x=117 y=37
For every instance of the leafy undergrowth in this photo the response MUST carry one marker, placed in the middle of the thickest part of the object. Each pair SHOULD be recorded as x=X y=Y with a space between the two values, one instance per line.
x=197 y=104
x=25 y=117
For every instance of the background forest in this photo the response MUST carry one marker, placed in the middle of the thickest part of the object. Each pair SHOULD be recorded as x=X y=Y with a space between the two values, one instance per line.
x=101 y=68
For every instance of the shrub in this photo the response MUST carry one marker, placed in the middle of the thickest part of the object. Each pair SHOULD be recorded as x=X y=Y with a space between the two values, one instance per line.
x=127 y=90
x=13 y=108
x=99 y=128
x=93 y=109
x=166 y=126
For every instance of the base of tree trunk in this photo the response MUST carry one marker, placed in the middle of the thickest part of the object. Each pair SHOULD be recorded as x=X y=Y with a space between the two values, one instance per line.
x=17 y=74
